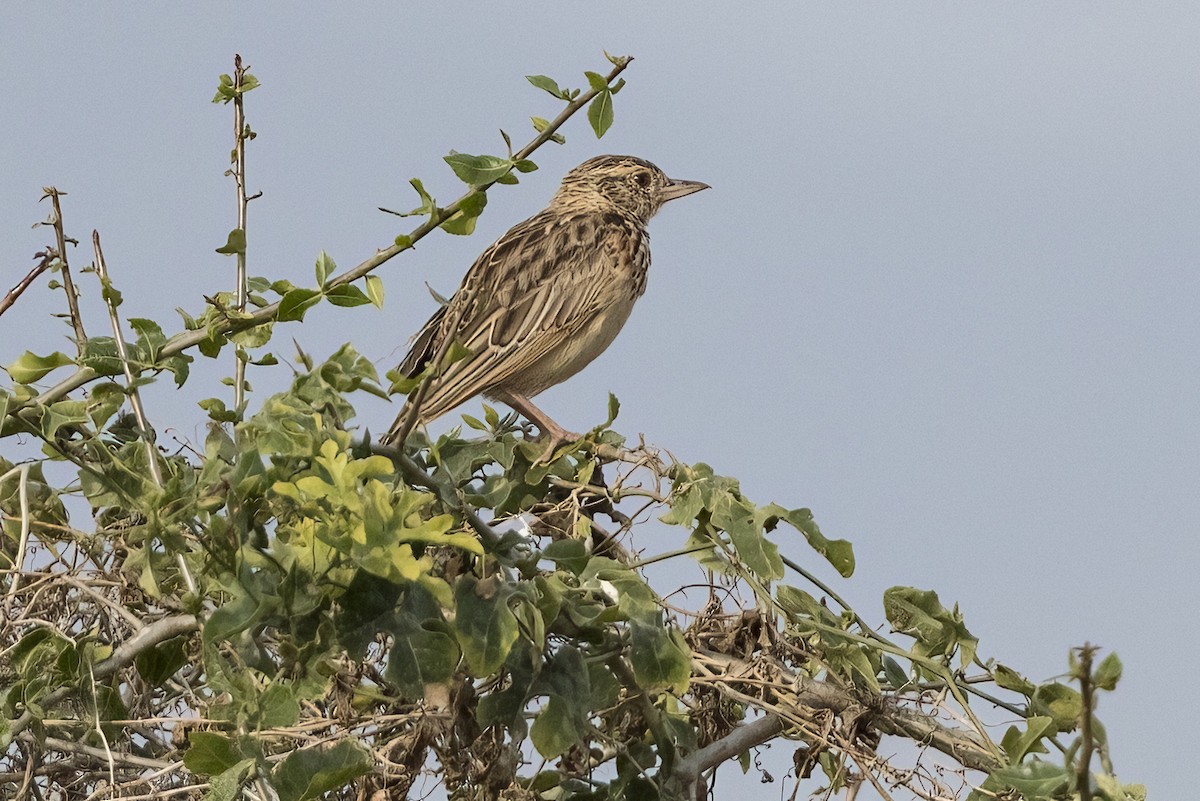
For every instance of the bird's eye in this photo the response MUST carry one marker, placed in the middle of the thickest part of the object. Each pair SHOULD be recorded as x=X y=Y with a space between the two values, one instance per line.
x=642 y=179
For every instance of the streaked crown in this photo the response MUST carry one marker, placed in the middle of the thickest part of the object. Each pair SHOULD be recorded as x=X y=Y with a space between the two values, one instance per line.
x=627 y=185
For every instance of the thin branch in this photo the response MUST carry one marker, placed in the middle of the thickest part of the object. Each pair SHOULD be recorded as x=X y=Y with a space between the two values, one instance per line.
x=68 y=747
x=239 y=179
x=687 y=771
x=47 y=258
x=886 y=715
x=145 y=430
x=1083 y=779
x=68 y=285
x=123 y=655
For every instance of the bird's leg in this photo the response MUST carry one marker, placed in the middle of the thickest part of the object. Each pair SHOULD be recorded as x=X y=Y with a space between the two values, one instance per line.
x=554 y=434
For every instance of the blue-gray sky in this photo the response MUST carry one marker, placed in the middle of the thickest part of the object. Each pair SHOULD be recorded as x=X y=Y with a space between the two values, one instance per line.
x=943 y=290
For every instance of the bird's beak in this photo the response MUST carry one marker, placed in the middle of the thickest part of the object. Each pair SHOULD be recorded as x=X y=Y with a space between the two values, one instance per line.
x=674 y=189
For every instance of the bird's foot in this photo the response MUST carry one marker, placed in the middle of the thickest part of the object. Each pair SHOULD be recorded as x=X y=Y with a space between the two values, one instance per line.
x=555 y=437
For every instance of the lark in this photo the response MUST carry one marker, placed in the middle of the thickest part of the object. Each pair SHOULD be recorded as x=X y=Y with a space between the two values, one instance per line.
x=547 y=298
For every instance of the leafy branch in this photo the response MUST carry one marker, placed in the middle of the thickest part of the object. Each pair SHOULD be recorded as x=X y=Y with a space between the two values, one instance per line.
x=16 y=415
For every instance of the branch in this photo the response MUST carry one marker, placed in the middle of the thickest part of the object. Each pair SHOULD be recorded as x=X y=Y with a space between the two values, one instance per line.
x=68 y=747
x=145 y=430
x=239 y=179
x=14 y=293
x=68 y=284
x=1083 y=782
x=687 y=771
x=884 y=713
x=123 y=655
x=190 y=339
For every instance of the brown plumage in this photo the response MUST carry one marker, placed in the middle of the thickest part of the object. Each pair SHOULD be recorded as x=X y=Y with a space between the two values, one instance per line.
x=549 y=296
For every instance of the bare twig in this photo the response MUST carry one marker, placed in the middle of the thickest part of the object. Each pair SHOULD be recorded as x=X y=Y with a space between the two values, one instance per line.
x=68 y=747
x=47 y=258
x=239 y=179
x=1083 y=778
x=68 y=285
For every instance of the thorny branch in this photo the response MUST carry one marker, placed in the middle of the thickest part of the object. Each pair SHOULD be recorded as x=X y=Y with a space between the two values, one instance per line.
x=241 y=133
x=56 y=221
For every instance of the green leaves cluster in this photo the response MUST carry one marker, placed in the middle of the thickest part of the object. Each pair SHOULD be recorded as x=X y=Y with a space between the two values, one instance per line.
x=735 y=530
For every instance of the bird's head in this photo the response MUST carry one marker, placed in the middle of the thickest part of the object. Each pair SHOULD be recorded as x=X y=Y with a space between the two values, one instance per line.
x=628 y=185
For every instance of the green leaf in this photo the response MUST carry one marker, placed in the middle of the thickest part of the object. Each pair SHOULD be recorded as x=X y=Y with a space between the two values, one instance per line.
x=1113 y=790
x=100 y=354
x=346 y=295
x=1017 y=743
x=375 y=290
x=210 y=753
x=540 y=124
x=217 y=411
x=1059 y=702
x=660 y=657
x=741 y=520
x=462 y=222
x=486 y=627
x=1108 y=673
x=296 y=302
x=840 y=553
x=600 y=113
x=1010 y=679
x=546 y=84
x=309 y=773
x=895 y=674
x=477 y=170
x=1035 y=780
x=422 y=654
x=597 y=81
x=231 y=619
x=938 y=631
x=571 y=554
x=159 y=663
x=404 y=241
x=236 y=243
x=31 y=367
x=325 y=267
x=554 y=730
x=227 y=786
x=278 y=707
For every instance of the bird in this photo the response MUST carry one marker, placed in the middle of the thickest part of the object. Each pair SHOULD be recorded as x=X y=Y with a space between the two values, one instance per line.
x=545 y=299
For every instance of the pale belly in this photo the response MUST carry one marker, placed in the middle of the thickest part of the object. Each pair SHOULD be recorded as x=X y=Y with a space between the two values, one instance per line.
x=573 y=355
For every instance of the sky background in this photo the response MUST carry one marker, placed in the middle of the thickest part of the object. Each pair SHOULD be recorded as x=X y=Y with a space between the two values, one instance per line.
x=943 y=290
